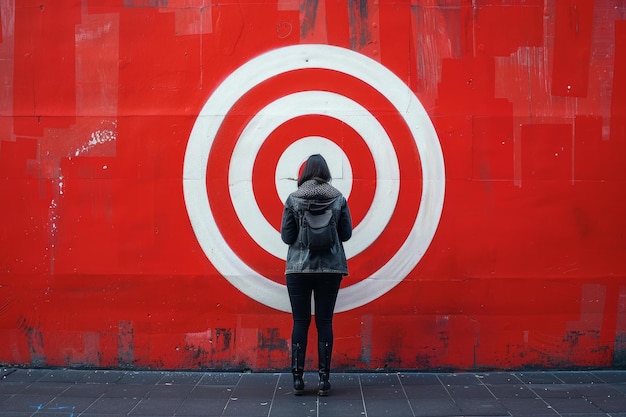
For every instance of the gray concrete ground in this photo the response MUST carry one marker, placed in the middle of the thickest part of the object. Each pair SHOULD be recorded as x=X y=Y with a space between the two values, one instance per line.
x=91 y=393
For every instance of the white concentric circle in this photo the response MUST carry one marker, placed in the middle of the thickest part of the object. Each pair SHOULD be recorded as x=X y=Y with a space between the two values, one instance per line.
x=289 y=107
x=340 y=60
x=296 y=154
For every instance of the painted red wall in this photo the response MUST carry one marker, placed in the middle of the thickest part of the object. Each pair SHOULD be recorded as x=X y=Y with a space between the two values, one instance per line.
x=132 y=188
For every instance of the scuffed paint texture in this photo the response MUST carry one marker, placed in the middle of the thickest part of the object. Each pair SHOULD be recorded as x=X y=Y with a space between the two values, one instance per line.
x=126 y=344
x=309 y=13
x=359 y=23
x=99 y=266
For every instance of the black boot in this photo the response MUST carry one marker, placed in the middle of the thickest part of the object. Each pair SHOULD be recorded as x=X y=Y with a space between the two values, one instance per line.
x=297 y=367
x=325 y=350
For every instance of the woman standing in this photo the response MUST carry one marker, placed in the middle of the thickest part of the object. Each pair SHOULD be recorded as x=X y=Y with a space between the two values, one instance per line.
x=311 y=272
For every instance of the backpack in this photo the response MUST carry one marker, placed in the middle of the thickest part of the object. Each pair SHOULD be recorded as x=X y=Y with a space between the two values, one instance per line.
x=318 y=230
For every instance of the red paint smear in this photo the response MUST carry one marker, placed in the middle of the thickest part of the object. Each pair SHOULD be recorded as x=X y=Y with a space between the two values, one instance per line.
x=398 y=54
x=312 y=22
x=618 y=98
x=467 y=87
x=547 y=152
x=492 y=148
x=44 y=74
x=501 y=29
x=591 y=151
x=337 y=23
x=573 y=23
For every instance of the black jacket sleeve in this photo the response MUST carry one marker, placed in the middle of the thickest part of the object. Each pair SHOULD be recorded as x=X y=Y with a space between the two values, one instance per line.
x=344 y=227
x=289 y=225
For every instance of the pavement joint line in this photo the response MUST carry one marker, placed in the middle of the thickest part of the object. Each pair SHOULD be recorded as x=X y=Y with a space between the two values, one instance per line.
x=406 y=397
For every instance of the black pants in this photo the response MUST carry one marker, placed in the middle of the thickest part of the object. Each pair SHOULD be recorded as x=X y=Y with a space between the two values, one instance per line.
x=324 y=288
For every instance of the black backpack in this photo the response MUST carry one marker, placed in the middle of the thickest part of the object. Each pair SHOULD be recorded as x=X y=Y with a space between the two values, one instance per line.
x=318 y=229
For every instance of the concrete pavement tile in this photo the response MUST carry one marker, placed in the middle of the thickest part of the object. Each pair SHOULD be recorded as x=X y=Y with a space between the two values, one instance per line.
x=86 y=390
x=181 y=378
x=388 y=408
x=141 y=377
x=619 y=387
x=51 y=388
x=432 y=392
x=201 y=407
x=481 y=407
x=9 y=388
x=573 y=405
x=556 y=390
x=155 y=407
x=470 y=391
x=512 y=391
x=290 y=405
x=434 y=408
x=220 y=378
x=26 y=403
x=498 y=378
x=247 y=407
x=371 y=393
x=347 y=380
x=341 y=392
x=538 y=378
x=329 y=407
x=379 y=380
x=68 y=405
x=170 y=391
x=599 y=414
x=527 y=407
x=72 y=376
x=609 y=404
x=577 y=377
x=26 y=375
x=103 y=376
x=601 y=390
x=127 y=391
x=613 y=377
x=211 y=392
x=256 y=385
x=459 y=379
x=112 y=405
x=420 y=378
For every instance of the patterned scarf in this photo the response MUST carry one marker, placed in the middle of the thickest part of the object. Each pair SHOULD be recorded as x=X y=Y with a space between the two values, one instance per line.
x=316 y=189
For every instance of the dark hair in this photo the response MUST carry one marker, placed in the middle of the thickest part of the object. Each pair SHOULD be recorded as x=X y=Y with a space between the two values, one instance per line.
x=315 y=167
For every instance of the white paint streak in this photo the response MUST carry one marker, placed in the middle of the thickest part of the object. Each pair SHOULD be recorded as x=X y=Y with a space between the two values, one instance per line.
x=84 y=34
x=98 y=137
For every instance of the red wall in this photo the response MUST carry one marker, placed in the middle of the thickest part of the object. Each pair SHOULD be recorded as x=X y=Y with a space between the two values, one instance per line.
x=482 y=145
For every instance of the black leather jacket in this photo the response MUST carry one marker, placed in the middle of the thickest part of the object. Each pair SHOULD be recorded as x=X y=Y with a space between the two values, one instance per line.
x=299 y=258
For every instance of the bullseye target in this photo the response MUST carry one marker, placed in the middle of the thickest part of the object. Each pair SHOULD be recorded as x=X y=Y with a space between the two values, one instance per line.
x=257 y=129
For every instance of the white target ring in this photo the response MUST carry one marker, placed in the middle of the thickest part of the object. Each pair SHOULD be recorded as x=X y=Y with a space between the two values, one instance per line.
x=296 y=154
x=289 y=107
x=269 y=65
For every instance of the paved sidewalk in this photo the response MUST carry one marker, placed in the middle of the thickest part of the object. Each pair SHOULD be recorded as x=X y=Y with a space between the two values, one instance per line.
x=67 y=392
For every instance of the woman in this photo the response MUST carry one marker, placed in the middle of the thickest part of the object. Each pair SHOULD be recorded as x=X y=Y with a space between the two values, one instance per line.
x=316 y=273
